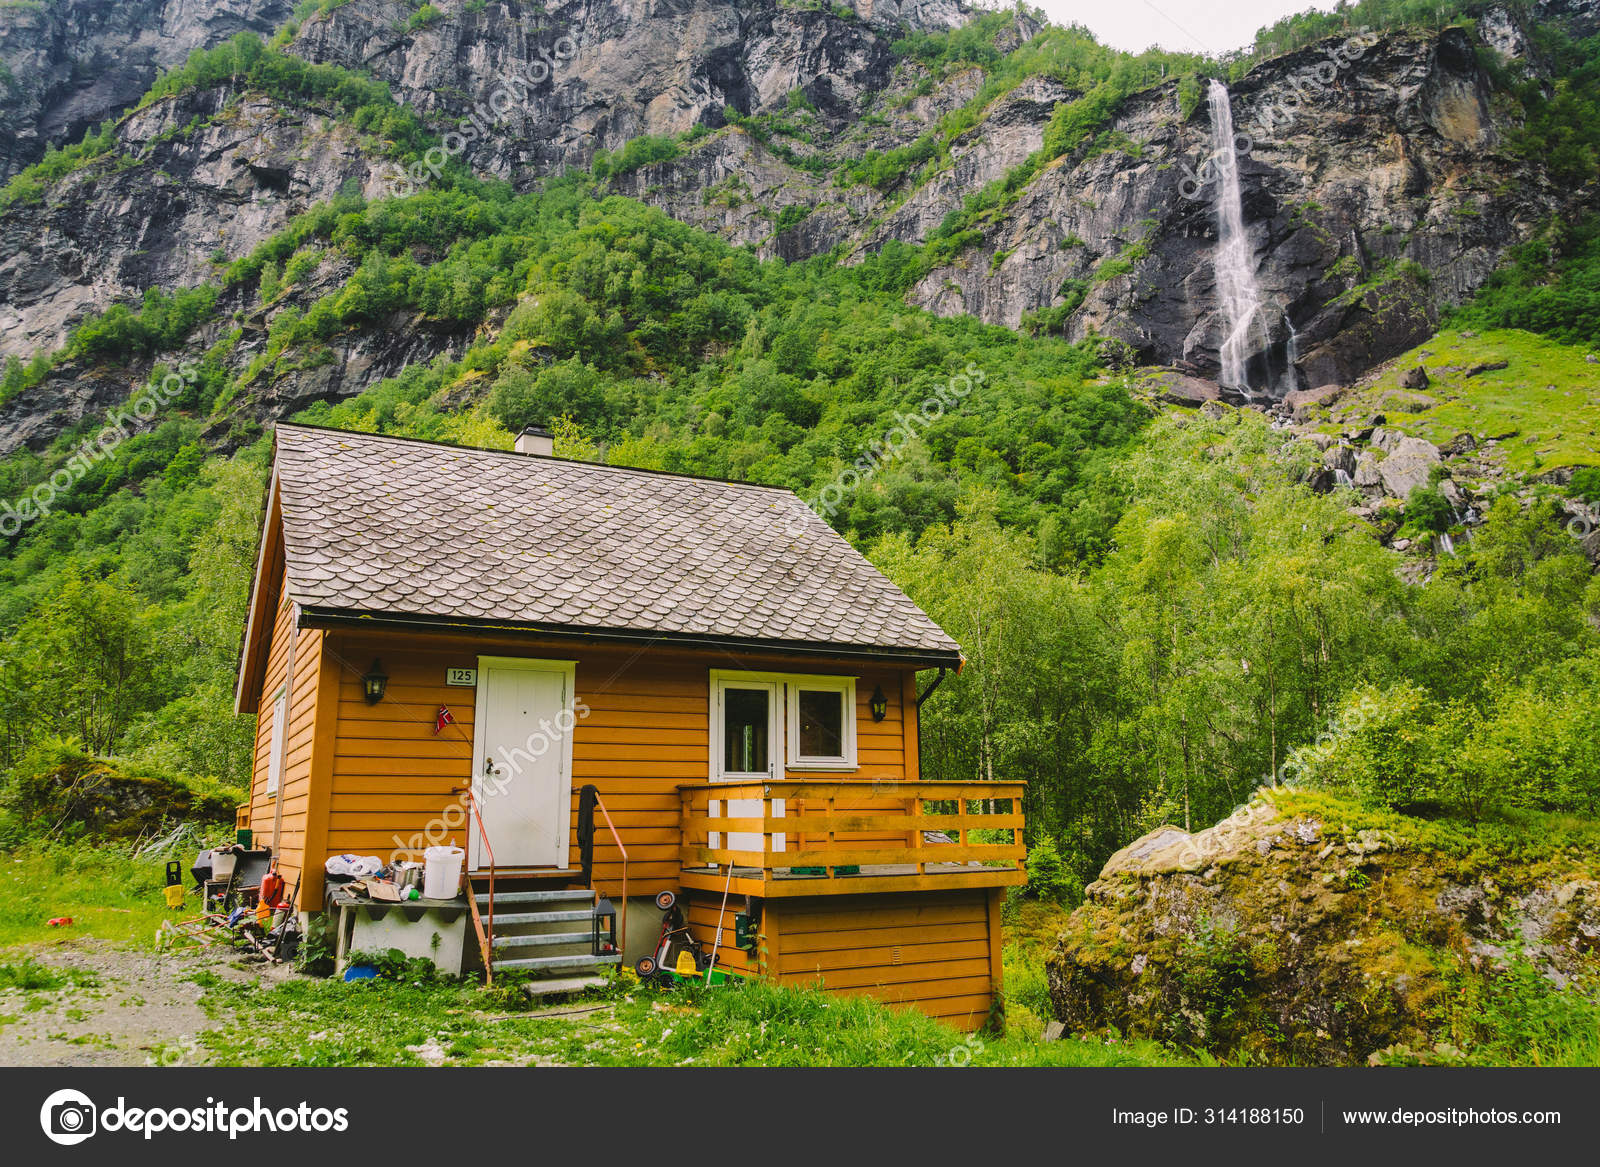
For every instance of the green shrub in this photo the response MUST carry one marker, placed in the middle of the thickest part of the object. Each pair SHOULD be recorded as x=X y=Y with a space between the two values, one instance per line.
x=423 y=17
x=316 y=955
x=635 y=154
x=1516 y=1016
x=1428 y=510
x=392 y=964
x=1534 y=748
x=1215 y=971
x=1585 y=484
x=1049 y=876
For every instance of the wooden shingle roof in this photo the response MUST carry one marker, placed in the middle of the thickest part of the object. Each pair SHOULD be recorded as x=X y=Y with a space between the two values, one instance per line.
x=394 y=528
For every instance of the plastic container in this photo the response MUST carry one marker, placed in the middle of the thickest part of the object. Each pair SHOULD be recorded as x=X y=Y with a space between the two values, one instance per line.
x=243 y=836
x=223 y=863
x=441 y=876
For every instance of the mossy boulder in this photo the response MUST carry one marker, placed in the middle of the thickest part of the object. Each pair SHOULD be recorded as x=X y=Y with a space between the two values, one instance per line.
x=1305 y=929
x=76 y=794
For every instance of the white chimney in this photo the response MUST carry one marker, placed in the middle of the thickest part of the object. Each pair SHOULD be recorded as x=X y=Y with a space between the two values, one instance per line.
x=536 y=440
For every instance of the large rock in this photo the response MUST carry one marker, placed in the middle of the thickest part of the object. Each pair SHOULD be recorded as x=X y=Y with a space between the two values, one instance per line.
x=1302 y=403
x=1408 y=466
x=1341 y=457
x=1303 y=929
x=1178 y=388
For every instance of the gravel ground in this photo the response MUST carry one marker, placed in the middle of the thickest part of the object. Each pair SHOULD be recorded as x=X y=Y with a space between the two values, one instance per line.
x=122 y=1006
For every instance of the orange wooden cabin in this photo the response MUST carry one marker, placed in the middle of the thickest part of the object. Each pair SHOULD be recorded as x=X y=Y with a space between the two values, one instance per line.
x=737 y=684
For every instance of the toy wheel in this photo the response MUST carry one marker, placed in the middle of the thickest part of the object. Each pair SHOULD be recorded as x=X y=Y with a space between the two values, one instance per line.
x=665 y=980
x=646 y=967
x=665 y=900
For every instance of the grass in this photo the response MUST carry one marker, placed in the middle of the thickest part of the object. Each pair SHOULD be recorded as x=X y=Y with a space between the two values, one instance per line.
x=1547 y=397
x=1532 y=841
x=29 y=975
x=377 y=1022
x=109 y=894
x=1030 y=928
x=305 y=1022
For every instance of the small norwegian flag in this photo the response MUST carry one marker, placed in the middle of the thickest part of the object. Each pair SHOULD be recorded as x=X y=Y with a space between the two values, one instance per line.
x=441 y=719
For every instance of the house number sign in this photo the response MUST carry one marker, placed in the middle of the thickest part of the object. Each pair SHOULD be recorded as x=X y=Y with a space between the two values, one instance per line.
x=464 y=677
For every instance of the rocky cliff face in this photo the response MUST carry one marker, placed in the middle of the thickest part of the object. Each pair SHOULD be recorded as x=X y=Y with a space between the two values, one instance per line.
x=1380 y=180
x=1379 y=185
x=197 y=181
x=591 y=75
x=1353 y=173
x=69 y=64
x=1296 y=932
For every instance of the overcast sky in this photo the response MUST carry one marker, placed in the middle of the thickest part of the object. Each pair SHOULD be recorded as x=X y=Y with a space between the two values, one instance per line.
x=1211 y=26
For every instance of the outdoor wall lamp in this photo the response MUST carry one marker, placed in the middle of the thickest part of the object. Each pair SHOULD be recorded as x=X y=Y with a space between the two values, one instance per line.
x=879 y=704
x=374 y=682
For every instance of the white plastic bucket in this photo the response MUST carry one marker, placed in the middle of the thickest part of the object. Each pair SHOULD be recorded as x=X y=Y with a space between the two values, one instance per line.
x=441 y=875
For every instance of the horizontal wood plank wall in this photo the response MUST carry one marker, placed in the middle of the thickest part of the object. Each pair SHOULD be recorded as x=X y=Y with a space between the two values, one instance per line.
x=937 y=951
x=294 y=778
x=261 y=818
x=646 y=730
x=295 y=782
x=701 y=912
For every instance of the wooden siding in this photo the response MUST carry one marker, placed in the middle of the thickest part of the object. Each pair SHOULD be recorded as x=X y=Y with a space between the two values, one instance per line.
x=936 y=951
x=280 y=821
x=701 y=910
x=646 y=730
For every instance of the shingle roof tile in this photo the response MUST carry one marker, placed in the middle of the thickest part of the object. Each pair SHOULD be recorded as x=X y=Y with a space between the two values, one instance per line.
x=406 y=528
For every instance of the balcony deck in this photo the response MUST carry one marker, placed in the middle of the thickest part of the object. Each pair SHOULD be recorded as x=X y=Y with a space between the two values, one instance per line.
x=850 y=837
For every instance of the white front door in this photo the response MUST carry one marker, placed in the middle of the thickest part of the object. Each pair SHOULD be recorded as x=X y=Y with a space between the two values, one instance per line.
x=523 y=738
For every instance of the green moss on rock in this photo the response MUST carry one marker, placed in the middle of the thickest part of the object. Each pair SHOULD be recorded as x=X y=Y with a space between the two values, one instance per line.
x=1309 y=929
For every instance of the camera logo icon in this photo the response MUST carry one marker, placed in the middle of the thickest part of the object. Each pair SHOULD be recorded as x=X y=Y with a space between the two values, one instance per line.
x=68 y=1117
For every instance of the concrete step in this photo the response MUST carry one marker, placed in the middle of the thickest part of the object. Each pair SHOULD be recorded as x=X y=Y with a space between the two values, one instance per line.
x=536 y=897
x=542 y=939
x=507 y=919
x=558 y=963
x=554 y=985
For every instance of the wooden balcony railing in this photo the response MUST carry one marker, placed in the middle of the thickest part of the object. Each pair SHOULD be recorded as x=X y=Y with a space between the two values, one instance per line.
x=835 y=837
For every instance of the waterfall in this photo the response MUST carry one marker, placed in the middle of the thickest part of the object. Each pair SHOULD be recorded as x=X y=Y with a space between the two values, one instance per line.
x=1245 y=319
x=1235 y=268
x=1291 y=358
x=1342 y=478
x=1447 y=544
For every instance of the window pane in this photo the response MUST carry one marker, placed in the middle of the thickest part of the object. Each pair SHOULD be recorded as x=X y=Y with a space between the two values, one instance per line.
x=744 y=728
x=821 y=724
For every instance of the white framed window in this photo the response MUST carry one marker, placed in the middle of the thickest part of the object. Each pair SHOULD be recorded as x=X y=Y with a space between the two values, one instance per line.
x=764 y=723
x=280 y=720
x=822 y=723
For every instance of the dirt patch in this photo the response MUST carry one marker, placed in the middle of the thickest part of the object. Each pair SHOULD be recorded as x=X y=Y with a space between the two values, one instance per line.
x=118 y=1006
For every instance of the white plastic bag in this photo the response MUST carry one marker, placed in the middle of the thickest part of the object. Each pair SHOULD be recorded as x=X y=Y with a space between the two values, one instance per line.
x=355 y=866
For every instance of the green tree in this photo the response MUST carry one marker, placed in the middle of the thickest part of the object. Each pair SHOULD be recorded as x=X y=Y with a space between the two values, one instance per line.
x=88 y=657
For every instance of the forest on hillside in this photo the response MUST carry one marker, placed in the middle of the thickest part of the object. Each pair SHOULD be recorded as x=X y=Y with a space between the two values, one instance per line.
x=1159 y=612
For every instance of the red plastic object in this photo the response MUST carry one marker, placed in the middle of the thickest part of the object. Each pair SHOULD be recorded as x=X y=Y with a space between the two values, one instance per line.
x=61 y=922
